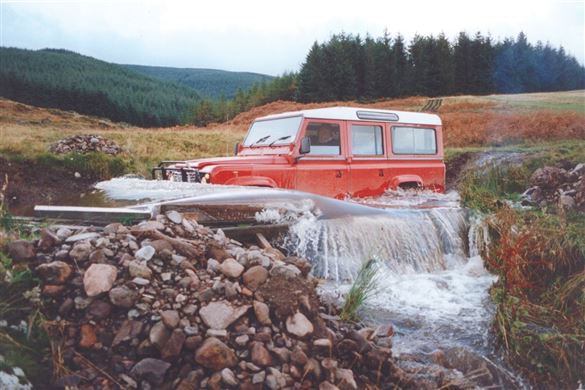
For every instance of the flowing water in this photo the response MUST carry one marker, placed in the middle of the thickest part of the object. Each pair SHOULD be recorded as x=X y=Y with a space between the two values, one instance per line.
x=432 y=284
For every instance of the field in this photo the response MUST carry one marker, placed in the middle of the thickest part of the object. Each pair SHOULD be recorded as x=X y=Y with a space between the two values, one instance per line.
x=469 y=121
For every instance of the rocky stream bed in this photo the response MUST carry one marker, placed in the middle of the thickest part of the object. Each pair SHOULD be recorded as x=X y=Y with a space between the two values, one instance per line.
x=171 y=304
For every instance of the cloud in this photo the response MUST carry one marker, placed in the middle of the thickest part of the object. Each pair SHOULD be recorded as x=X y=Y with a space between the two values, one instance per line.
x=267 y=36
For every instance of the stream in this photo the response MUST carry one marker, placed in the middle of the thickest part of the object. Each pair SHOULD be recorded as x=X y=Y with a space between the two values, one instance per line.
x=432 y=286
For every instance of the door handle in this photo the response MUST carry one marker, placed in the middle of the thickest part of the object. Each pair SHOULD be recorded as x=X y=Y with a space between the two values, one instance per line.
x=381 y=172
x=338 y=173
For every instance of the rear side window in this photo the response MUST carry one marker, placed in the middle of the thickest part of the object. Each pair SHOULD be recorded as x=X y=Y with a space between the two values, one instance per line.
x=413 y=140
x=366 y=140
x=325 y=138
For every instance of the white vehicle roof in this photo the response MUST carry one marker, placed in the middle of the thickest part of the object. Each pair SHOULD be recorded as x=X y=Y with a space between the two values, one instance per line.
x=351 y=113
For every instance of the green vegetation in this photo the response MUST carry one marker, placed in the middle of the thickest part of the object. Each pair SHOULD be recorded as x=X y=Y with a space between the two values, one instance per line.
x=344 y=68
x=364 y=286
x=97 y=166
x=280 y=88
x=208 y=83
x=348 y=67
x=539 y=257
x=540 y=293
x=26 y=345
x=70 y=81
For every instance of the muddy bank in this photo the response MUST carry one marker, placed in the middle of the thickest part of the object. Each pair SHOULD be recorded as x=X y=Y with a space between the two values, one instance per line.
x=32 y=182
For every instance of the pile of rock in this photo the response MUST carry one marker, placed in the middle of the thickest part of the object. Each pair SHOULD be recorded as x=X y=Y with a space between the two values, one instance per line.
x=558 y=187
x=170 y=304
x=85 y=143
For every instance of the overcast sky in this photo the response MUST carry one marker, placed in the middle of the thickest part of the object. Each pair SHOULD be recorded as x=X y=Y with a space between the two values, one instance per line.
x=268 y=36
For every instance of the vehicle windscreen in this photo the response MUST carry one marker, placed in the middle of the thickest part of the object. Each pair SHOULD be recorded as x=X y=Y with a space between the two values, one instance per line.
x=273 y=131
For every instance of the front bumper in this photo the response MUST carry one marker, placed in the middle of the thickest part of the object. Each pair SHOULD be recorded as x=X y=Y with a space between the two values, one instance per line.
x=166 y=171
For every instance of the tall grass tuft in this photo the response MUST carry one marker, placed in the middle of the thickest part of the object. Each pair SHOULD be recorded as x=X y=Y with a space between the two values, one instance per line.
x=364 y=287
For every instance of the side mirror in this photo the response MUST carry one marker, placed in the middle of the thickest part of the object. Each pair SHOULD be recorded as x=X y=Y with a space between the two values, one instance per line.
x=305 y=145
x=236 y=148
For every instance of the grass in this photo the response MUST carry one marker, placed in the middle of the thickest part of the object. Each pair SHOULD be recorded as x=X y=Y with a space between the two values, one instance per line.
x=539 y=257
x=469 y=121
x=20 y=302
x=540 y=293
x=364 y=286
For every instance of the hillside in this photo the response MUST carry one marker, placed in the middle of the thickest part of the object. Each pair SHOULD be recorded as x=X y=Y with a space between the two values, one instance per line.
x=209 y=83
x=70 y=81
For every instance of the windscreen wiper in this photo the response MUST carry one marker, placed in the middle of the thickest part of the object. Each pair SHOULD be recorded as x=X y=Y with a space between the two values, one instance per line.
x=280 y=139
x=260 y=140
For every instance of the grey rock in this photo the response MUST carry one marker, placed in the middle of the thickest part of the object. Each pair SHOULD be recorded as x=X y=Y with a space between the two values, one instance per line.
x=159 y=335
x=63 y=233
x=81 y=251
x=289 y=271
x=48 y=239
x=170 y=318
x=139 y=269
x=21 y=250
x=140 y=281
x=242 y=340
x=299 y=325
x=150 y=369
x=228 y=377
x=174 y=216
x=221 y=314
x=124 y=296
x=99 y=278
x=129 y=330
x=212 y=265
x=145 y=253
x=82 y=237
x=220 y=333
x=174 y=344
x=231 y=268
x=262 y=312
x=345 y=379
x=259 y=377
x=255 y=277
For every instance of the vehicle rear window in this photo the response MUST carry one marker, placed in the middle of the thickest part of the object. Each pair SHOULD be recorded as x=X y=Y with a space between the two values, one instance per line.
x=414 y=140
x=366 y=140
x=325 y=138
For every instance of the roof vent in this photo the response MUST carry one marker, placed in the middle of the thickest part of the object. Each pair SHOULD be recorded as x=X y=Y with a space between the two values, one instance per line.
x=377 y=116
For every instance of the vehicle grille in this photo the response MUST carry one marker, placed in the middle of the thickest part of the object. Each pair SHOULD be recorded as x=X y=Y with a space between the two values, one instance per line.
x=192 y=176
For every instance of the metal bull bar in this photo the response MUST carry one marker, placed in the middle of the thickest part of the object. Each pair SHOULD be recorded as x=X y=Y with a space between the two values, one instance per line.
x=164 y=170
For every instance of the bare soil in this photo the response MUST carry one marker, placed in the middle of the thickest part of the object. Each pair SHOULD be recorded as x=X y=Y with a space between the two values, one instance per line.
x=30 y=185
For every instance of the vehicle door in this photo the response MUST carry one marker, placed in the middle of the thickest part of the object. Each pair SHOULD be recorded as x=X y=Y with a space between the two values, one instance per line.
x=324 y=170
x=367 y=159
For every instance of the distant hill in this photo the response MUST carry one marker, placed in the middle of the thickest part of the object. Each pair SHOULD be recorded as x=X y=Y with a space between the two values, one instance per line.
x=209 y=83
x=70 y=81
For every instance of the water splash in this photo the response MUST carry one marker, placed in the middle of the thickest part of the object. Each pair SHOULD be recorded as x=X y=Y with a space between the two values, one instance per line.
x=434 y=286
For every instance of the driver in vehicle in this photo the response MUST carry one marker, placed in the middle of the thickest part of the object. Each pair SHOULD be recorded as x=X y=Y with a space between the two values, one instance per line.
x=326 y=137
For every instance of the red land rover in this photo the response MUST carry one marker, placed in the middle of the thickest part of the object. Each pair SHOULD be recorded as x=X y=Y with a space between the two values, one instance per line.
x=336 y=152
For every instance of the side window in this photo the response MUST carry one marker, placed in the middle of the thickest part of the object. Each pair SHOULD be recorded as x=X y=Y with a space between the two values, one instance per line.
x=366 y=140
x=325 y=138
x=413 y=140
